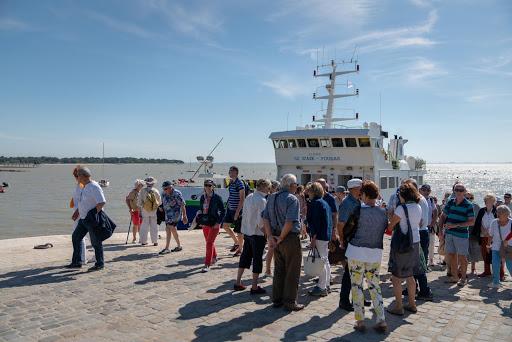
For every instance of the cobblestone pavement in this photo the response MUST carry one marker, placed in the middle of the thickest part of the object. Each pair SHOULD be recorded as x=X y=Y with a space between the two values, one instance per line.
x=141 y=296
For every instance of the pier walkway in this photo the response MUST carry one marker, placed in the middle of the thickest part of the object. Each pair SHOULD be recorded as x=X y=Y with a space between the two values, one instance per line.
x=141 y=296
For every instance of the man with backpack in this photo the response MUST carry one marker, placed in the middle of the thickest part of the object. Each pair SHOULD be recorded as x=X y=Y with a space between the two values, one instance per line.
x=148 y=200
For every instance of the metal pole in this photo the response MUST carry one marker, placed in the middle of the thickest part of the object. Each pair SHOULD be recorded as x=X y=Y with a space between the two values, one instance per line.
x=128 y=234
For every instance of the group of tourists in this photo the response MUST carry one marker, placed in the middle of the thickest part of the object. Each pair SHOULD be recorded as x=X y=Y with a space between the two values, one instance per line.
x=269 y=223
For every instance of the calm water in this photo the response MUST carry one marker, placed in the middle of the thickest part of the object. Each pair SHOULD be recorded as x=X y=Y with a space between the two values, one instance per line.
x=37 y=201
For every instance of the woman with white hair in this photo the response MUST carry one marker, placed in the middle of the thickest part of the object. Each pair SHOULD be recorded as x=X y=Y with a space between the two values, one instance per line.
x=131 y=202
x=501 y=234
x=149 y=200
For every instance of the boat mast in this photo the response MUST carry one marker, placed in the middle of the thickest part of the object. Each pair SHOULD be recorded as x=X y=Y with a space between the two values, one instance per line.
x=331 y=94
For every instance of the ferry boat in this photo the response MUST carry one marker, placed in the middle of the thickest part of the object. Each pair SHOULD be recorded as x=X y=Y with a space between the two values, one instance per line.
x=338 y=153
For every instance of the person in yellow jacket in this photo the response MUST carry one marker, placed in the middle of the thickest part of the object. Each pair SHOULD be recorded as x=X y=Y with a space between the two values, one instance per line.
x=148 y=200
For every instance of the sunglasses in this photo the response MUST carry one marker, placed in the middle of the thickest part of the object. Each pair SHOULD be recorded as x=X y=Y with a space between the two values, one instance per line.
x=208 y=185
x=459 y=190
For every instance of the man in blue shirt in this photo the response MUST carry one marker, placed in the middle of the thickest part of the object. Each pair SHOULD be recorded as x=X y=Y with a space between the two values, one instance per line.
x=234 y=211
x=331 y=201
x=346 y=209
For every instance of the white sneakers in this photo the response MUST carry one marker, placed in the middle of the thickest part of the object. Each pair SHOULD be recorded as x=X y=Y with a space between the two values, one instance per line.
x=205 y=269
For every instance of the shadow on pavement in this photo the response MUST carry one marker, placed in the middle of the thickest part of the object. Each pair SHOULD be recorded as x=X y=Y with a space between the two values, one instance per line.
x=36 y=276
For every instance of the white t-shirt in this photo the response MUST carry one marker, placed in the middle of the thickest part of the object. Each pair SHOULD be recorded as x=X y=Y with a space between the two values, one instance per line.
x=364 y=254
x=252 y=223
x=415 y=215
x=90 y=196
x=425 y=210
x=495 y=234
x=486 y=223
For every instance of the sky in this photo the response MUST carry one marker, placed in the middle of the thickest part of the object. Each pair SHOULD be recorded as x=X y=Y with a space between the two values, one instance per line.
x=169 y=79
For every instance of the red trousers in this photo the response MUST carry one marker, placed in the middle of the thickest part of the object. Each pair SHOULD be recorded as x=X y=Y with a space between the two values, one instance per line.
x=210 y=234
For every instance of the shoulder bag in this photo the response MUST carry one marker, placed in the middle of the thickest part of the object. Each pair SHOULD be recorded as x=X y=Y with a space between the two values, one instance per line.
x=400 y=242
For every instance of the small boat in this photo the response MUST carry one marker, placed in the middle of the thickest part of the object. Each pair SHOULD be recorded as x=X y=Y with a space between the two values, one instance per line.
x=103 y=182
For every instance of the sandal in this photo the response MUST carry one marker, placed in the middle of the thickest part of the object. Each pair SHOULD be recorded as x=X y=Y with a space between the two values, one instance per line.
x=381 y=327
x=360 y=327
x=395 y=311
x=411 y=308
x=45 y=246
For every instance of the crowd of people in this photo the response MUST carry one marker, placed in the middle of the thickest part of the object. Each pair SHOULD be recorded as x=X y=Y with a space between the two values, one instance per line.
x=272 y=222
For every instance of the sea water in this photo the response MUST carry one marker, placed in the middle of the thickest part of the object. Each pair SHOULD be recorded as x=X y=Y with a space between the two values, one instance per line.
x=37 y=200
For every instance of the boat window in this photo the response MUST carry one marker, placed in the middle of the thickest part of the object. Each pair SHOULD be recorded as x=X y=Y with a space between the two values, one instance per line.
x=325 y=143
x=283 y=143
x=364 y=142
x=343 y=179
x=305 y=178
x=313 y=143
x=337 y=142
x=391 y=182
x=383 y=182
x=375 y=143
x=292 y=143
x=301 y=143
x=420 y=180
x=350 y=142
x=276 y=143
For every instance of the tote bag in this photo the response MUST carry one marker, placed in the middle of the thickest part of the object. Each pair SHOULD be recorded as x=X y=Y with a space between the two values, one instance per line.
x=313 y=263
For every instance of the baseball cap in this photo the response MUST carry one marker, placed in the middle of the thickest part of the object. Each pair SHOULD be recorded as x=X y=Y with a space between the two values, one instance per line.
x=340 y=188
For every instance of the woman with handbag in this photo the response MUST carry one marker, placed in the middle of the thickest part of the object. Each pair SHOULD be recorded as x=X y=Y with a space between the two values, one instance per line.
x=501 y=245
x=209 y=218
x=364 y=254
x=319 y=218
x=404 y=262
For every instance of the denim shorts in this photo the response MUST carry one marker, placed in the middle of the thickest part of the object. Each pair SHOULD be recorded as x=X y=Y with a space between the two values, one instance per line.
x=456 y=245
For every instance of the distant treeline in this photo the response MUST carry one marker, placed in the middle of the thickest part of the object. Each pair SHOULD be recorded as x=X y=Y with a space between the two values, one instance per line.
x=85 y=160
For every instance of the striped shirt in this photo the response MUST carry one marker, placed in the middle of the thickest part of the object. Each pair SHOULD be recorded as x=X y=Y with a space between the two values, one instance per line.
x=234 y=193
x=458 y=213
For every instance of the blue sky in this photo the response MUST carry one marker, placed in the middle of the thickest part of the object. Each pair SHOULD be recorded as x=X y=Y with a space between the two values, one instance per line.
x=155 y=78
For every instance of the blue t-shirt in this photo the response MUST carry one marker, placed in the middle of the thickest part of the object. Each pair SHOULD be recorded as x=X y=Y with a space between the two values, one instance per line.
x=320 y=219
x=331 y=201
x=347 y=208
x=172 y=206
x=234 y=193
x=458 y=213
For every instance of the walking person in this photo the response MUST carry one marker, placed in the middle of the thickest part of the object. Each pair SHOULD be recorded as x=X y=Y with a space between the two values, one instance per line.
x=281 y=219
x=501 y=235
x=131 y=202
x=320 y=229
x=74 y=204
x=403 y=265
x=482 y=231
x=209 y=217
x=149 y=200
x=458 y=216
x=507 y=200
x=427 y=233
x=234 y=210
x=303 y=211
x=254 y=237
x=364 y=254
x=175 y=210
x=91 y=197
x=347 y=208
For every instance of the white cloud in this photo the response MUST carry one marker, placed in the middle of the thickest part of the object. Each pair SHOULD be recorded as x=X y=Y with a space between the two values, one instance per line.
x=421 y=3
x=9 y=24
x=198 y=22
x=486 y=95
x=286 y=87
x=496 y=65
x=417 y=71
x=119 y=25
